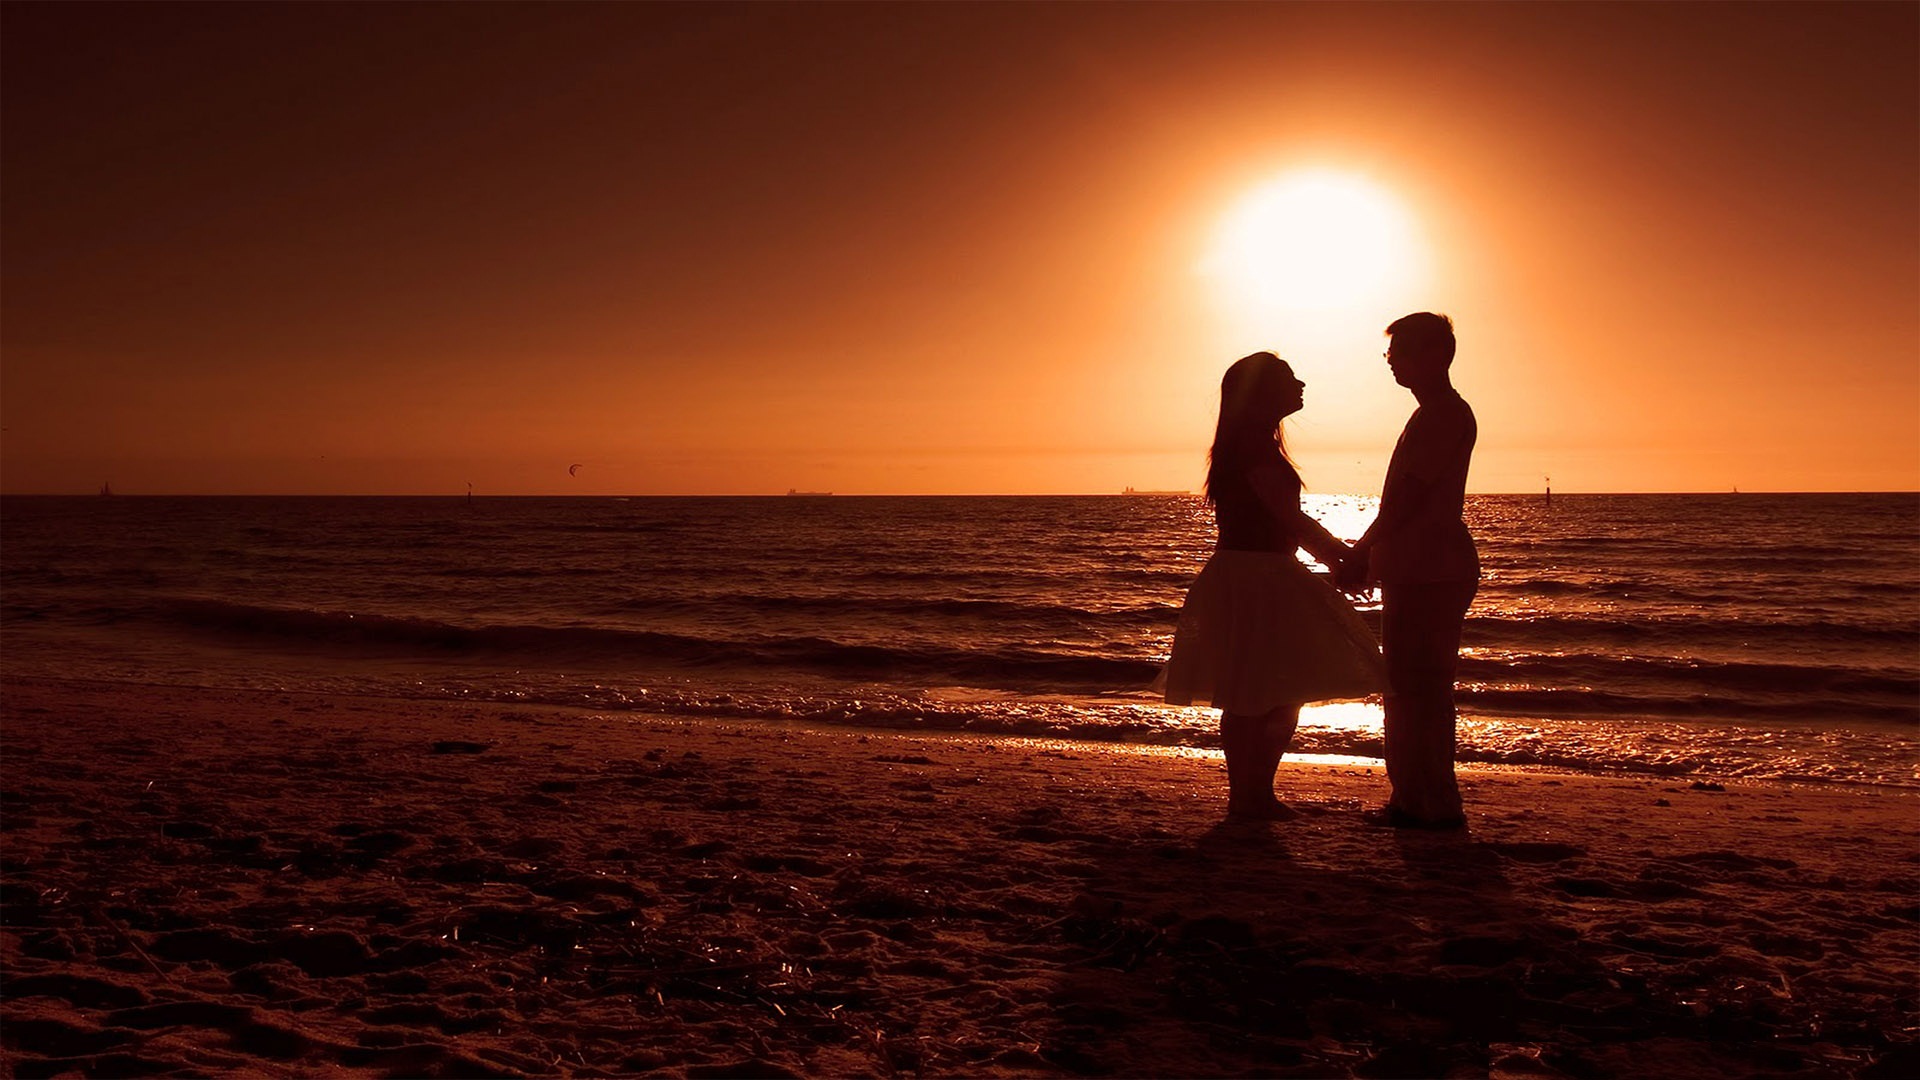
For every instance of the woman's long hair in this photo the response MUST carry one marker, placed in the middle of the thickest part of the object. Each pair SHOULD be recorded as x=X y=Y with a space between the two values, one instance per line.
x=1251 y=393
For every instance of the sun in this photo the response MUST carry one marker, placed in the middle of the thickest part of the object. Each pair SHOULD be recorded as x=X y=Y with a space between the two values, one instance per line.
x=1315 y=240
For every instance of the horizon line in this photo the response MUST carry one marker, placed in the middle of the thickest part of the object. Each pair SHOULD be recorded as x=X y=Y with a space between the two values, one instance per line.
x=1157 y=494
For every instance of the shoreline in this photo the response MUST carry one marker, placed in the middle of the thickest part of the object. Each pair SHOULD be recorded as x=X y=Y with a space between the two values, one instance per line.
x=275 y=883
x=1337 y=743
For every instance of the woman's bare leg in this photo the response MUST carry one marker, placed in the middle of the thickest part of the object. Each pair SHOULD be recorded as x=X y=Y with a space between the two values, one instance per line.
x=1242 y=742
x=1278 y=728
x=1253 y=744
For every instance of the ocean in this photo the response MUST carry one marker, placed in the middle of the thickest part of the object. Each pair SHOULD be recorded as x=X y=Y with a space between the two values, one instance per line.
x=1735 y=635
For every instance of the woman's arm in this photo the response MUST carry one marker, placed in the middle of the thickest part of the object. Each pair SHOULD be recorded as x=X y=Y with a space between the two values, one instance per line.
x=1280 y=494
x=1320 y=543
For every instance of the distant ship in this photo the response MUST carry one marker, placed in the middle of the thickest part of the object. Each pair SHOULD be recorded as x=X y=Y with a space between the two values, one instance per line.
x=106 y=489
x=809 y=494
x=1131 y=491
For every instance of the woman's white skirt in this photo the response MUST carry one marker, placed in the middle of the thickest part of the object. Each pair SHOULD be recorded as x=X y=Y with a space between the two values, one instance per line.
x=1259 y=631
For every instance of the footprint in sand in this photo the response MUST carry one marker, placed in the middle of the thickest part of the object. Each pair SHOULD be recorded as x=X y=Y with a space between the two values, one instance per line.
x=460 y=746
x=1651 y=890
x=1733 y=860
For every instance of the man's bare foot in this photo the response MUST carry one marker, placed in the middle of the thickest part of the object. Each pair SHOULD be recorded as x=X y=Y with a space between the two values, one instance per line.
x=1396 y=818
x=1270 y=810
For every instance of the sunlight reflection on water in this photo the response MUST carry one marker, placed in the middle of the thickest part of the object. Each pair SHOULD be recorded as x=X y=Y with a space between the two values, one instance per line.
x=1345 y=516
x=1343 y=716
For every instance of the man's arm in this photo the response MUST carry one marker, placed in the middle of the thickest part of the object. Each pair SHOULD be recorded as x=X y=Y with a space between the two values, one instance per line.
x=1409 y=495
x=1397 y=508
x=1429 y=448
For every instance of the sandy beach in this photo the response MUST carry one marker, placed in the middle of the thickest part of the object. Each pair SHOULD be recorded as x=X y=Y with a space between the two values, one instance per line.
x=271 y=884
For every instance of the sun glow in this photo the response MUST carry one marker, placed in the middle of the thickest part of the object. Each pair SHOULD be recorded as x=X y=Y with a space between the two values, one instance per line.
x=1314 y=241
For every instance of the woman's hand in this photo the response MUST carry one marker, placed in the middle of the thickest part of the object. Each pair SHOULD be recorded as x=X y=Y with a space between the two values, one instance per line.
x=1352 y=573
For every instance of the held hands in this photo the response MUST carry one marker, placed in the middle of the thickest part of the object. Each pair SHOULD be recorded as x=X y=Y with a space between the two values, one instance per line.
x=1352 y=574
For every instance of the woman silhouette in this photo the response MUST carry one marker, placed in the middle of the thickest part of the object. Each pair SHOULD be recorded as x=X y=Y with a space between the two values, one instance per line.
x=1258 y=635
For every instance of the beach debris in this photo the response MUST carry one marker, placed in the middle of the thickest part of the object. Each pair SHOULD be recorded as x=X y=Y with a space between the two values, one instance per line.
x=99 y=911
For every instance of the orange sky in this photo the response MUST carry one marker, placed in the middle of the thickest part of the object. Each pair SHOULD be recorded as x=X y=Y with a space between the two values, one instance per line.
x=379 y=249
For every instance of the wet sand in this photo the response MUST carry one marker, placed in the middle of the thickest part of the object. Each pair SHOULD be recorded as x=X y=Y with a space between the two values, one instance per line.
x=268 y=884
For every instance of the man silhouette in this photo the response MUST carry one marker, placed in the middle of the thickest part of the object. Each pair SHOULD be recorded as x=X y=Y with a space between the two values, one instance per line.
x=1419 y=551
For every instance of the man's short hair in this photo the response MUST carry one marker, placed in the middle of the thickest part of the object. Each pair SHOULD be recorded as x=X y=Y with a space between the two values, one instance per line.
x=1425 y=330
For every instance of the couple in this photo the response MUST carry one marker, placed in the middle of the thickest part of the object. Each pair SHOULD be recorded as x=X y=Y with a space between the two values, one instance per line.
x=1259 y=635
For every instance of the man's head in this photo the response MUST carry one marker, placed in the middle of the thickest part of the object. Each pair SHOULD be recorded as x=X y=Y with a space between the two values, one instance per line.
x=1420 y=348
